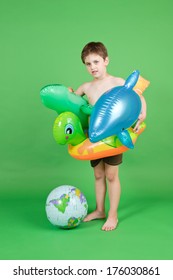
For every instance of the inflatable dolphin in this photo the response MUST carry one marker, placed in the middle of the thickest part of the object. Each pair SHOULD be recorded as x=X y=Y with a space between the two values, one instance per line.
x=115 y=111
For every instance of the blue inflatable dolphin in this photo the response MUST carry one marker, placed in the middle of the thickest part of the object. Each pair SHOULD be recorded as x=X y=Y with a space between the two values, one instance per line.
x=115 y=111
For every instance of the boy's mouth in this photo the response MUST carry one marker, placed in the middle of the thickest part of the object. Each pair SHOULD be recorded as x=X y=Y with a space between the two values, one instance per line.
x=94 y=72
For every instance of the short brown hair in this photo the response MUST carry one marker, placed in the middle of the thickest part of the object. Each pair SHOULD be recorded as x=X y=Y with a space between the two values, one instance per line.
x=94 y=47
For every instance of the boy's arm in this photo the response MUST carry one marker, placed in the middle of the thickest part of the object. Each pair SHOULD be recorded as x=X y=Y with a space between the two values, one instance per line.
x=80 y=90
x=142 y=115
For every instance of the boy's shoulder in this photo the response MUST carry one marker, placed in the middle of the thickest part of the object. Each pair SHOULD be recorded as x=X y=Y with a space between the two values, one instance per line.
x=114 y=80
x=117 y=81
x=110 y=82
x=83 y=88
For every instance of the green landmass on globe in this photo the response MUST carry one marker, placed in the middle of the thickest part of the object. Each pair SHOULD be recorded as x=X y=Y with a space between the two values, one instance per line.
x=61 y=203
x=73 y=222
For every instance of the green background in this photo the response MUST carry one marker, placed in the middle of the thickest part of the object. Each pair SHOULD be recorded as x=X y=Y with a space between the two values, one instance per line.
x=41 y=42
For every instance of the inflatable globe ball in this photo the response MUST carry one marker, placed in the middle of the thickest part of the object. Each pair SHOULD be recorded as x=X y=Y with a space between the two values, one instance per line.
x=66 y=207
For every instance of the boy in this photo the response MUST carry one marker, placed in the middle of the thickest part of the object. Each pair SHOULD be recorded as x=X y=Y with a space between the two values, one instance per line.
x=94 y=55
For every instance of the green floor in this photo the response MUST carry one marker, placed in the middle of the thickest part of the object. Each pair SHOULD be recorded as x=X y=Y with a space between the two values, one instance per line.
x=145 y=227
x=41 y=43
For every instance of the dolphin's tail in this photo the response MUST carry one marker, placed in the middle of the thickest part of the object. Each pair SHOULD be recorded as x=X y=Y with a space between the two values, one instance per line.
x=132 y=79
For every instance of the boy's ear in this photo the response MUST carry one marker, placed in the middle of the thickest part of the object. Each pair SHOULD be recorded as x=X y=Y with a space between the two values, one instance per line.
x=107 y=60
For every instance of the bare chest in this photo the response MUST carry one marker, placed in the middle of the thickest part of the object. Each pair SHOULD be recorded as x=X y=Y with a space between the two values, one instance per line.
x=95 y=92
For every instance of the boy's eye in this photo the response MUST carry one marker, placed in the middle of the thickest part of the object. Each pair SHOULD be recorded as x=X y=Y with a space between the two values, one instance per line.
x=96 y=61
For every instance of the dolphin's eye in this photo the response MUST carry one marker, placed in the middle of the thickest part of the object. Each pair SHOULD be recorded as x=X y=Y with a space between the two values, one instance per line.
x=69 y=129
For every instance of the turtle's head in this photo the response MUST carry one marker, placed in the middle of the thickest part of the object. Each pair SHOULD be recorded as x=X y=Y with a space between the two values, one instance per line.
x=67 y=129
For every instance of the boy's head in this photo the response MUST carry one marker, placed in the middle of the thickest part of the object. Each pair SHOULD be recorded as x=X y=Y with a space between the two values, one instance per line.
x=94 y=48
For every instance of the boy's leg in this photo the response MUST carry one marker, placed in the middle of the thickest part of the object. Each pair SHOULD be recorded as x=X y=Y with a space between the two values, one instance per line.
x=100 y=189
x=114 y=191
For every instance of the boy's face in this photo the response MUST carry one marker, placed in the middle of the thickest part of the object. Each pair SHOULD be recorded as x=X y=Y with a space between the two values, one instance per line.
x=96 y=65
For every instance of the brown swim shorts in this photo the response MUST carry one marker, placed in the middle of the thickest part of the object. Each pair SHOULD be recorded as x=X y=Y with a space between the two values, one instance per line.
x=113 y=160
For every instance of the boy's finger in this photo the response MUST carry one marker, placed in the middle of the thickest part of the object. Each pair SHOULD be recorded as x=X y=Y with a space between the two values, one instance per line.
x=136 y=128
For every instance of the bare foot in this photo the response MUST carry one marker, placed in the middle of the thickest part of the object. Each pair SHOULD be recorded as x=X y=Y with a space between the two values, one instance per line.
x=94 y=216
x=110 y=224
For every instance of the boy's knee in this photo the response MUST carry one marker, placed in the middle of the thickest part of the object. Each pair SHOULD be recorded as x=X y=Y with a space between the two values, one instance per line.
x=99 y=175
x=111 y=176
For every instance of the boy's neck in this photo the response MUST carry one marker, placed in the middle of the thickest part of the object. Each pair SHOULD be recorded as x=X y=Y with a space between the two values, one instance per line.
x=101 y=78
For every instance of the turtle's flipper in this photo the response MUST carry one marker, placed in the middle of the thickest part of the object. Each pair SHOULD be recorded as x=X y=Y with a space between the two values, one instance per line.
x=125 y=139
x=86 y=109
x=57 y=97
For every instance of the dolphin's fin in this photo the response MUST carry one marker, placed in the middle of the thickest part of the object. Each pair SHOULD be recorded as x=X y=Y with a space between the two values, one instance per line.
x=132 y=79
x=86 y=109
x=125 y=139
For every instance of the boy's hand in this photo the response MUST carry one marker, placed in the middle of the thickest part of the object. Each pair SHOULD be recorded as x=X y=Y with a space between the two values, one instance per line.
x=70 y=89
x=142 y=115
x=141 y=118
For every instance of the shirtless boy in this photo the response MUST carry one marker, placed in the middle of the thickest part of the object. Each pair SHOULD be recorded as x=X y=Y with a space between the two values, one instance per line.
x=95 y=57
